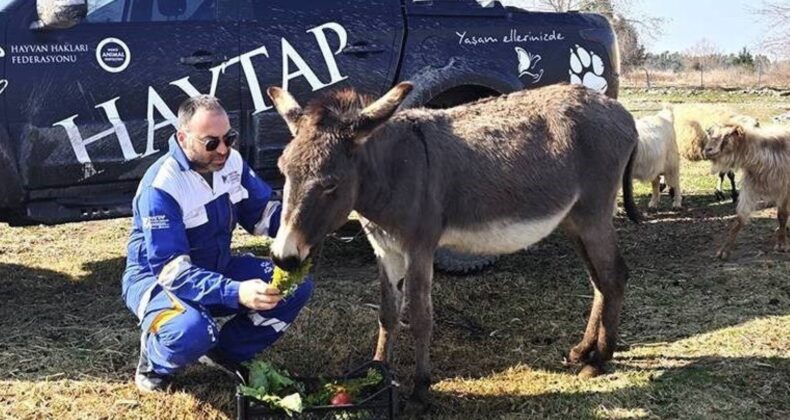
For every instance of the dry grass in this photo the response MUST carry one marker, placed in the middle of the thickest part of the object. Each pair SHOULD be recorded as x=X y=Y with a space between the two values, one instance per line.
x=776 y=76
x=700 y=338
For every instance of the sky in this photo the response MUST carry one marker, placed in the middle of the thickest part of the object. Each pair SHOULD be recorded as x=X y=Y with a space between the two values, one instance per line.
x=726 y=24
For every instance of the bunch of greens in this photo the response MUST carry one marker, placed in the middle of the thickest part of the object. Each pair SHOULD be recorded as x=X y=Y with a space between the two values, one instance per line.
x=267 y=384
x=287 y=281
x=353 y=387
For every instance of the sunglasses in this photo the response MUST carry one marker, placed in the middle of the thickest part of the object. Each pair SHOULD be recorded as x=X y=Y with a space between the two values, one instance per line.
x=212 y=142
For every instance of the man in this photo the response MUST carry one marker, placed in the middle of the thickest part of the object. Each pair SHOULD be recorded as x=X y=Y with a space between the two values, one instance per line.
x=180 y=273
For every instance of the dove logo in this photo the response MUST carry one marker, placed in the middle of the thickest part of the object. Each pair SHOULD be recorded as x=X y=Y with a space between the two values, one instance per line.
x=526 y=65
x=587 y=69
x=2 y=52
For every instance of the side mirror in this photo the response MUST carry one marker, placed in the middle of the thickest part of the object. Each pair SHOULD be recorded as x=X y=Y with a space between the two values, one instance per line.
x=59 y=14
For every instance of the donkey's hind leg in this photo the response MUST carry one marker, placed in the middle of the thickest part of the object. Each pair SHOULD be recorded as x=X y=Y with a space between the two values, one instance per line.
x=581 y=351
x=599 y=242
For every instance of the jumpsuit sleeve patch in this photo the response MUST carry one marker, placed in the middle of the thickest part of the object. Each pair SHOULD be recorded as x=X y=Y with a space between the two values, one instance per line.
x=172 y=270
x=267 y=219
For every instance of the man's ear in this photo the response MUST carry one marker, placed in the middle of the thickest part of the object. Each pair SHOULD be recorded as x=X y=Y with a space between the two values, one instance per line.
x=377 y=113
x=286 y=106
x=181 y=138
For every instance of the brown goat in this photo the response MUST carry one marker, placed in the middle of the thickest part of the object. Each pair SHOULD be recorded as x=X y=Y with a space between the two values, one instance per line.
x=764 y=157
x=490 y=177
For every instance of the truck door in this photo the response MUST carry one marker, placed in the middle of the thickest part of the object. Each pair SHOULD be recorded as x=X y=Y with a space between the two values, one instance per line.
x=95 y=104
x=307 y=47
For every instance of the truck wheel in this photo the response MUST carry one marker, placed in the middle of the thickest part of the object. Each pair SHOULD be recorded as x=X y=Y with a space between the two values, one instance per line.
x=452 y=262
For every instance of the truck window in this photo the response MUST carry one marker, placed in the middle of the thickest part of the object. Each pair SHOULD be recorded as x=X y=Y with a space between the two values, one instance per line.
x=5 y=3
x=101 y=11
x=171 y=10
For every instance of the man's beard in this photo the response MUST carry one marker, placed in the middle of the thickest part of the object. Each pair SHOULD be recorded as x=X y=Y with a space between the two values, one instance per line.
x=210 y=166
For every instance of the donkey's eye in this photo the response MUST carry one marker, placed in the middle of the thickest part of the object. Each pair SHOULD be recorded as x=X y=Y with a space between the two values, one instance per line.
x=329 y=187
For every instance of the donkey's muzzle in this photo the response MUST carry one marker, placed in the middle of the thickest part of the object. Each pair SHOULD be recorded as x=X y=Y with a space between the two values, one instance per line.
x=289 y=263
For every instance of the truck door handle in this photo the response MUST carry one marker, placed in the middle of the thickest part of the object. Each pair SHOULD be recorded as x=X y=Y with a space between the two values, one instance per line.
x=200 y=60
x=362 y=48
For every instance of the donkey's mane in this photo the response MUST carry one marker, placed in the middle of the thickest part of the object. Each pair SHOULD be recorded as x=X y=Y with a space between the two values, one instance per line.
x=336 y=109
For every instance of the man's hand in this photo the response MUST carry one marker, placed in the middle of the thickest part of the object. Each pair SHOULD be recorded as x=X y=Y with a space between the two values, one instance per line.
x=258 y=295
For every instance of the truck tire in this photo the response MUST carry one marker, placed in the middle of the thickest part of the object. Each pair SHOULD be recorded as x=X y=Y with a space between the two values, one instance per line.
x=452 y=262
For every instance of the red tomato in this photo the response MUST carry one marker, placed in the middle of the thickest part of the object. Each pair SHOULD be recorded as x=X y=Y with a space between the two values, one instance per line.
x=342 y=398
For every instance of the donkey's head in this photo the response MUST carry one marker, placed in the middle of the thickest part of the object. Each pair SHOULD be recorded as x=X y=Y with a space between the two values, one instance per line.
x=320 y=164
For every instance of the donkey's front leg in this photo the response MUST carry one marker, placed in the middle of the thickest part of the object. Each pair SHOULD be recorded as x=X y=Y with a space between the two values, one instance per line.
x=392 y=269
x=419 y=276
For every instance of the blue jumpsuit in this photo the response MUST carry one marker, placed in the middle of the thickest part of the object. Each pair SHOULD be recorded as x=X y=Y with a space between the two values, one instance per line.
x=180 y=273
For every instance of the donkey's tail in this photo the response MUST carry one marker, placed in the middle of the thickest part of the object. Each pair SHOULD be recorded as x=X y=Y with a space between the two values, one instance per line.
x=628 y=190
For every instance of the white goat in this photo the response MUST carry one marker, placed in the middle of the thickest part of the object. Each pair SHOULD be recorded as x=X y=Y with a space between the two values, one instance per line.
x=658 y=155
x=764 y=157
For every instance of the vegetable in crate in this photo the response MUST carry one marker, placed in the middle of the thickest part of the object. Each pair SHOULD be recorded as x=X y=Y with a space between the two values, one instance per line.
x=273 y=387
x=287 y=281
x=342 y=398
x=346 y=391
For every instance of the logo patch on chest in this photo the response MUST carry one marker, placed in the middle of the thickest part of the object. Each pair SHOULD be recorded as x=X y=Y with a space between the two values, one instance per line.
x=231 y=177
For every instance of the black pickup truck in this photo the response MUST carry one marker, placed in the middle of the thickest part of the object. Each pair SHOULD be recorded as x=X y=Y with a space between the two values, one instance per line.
x=89 y=89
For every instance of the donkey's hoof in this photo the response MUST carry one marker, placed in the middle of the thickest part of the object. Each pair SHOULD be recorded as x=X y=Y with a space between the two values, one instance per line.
x=419 y=403
x=719 y=195
x=590 y=371
x=577 y=356
x=723 y=254
x=781 y=248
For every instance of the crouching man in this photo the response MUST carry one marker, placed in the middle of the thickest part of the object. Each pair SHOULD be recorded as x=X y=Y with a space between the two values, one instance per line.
x=180 y=273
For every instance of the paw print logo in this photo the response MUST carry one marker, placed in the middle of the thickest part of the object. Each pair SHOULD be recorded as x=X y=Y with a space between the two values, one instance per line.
x=587 y=69
x=267 y=266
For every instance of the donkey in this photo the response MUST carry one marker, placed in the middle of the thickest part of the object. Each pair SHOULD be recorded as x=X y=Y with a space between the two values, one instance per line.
x=490 y=177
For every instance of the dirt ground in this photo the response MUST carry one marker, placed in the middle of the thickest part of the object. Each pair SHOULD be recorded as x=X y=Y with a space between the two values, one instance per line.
x=700 y=338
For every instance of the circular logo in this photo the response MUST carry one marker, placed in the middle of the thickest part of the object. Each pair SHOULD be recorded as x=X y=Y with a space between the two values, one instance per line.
x=113 y=55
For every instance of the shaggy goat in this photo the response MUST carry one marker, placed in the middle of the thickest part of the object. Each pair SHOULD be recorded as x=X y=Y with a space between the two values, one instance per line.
x=658 y=155
x=764 y=157
x=692 y=138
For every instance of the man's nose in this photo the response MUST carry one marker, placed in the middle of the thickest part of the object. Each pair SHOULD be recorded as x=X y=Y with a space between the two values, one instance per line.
x=222 y=148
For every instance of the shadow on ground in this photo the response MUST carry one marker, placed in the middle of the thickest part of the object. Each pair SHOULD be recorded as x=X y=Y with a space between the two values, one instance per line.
x=522 y=314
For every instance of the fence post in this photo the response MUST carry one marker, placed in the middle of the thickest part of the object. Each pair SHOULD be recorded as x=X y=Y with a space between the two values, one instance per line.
x=647 y=77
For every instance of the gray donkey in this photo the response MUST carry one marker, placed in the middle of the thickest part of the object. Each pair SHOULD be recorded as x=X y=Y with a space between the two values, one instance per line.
x=490 y=177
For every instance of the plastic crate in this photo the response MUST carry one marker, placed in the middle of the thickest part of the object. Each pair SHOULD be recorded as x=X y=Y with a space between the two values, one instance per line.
x=381 y=404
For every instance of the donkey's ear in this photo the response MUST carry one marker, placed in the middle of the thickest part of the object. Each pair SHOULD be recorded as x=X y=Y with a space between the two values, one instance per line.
x=286 y=106
x=379 y=112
